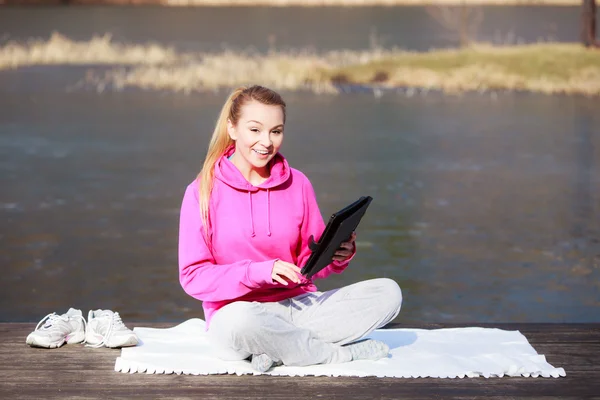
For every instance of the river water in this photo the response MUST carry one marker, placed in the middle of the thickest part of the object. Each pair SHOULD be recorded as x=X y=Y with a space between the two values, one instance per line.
x=486 y=208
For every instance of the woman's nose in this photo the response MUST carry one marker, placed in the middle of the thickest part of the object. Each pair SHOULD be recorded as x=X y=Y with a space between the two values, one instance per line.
x=265 y=139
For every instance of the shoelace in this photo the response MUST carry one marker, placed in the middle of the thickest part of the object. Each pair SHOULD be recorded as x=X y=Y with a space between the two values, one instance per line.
x=115 y=321
x=52 y=318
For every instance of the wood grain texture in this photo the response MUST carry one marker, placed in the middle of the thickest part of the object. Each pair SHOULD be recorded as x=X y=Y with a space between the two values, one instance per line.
x=75 y=371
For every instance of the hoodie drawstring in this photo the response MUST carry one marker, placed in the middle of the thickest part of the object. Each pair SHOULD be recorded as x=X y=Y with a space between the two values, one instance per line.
x=268 y=213
x=251 y=214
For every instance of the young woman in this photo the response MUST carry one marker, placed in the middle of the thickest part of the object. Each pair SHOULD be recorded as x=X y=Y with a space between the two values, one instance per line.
x=244 y=231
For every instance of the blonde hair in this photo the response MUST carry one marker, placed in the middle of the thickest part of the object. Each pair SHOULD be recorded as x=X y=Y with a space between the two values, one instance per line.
x=221 y=141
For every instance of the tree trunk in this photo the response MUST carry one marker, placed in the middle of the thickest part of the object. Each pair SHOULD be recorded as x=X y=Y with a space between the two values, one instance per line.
x=588 y=26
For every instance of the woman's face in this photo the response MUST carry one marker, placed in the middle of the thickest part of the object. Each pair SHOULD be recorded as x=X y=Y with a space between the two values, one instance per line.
x=258 y=134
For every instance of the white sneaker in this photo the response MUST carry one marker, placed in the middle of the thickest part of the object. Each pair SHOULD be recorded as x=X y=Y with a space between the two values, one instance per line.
x=105 y=328
x=57 y=329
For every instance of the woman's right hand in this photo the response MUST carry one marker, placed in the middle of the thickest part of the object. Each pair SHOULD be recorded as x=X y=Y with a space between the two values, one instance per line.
x=284 y=272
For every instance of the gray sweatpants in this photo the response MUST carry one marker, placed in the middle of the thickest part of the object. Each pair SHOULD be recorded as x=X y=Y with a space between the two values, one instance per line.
x=307 y=329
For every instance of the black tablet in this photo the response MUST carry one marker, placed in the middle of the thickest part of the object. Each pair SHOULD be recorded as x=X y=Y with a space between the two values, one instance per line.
x=338 y=229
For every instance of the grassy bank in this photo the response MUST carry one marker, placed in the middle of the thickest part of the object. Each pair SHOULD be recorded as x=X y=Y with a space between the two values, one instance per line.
x=547 y=68
x=544 y=67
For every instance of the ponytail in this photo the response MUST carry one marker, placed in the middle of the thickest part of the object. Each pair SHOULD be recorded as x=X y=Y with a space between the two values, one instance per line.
x=219 y=142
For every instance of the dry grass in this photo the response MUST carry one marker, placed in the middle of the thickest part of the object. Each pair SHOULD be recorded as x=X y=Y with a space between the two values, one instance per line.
x=545 y=67
x=99 y=50
x=216 y=71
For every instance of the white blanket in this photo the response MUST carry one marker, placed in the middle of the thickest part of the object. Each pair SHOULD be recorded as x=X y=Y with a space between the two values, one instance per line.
x=415 y=353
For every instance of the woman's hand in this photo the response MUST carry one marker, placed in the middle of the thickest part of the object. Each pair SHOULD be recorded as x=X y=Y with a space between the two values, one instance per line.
x=284 y=272
x=346 y=249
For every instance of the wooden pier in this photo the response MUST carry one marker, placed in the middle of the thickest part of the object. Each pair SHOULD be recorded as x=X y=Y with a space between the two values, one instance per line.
x=73 y=371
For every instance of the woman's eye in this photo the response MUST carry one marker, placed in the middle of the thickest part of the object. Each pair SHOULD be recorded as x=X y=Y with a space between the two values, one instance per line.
x=277 y=132
x=254 y=130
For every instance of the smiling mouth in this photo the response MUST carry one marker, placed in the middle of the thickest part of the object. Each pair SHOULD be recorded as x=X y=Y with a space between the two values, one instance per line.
x=265 y=153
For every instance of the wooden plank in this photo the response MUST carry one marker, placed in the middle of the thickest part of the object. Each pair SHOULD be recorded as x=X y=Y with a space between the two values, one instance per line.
x=75 y=371
x=104 y=383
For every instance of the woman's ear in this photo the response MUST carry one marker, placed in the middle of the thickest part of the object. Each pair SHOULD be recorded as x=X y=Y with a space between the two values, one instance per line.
x=231 y=130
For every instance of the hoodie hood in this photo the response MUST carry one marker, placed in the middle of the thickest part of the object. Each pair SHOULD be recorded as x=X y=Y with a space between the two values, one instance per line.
x=229 y=174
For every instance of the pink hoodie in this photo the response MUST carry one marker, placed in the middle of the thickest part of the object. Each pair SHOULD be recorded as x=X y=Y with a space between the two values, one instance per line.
x=251 y=228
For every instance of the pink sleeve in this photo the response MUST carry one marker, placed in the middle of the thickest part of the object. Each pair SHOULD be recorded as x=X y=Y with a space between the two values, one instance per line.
x=199 y=275
x=313 y=225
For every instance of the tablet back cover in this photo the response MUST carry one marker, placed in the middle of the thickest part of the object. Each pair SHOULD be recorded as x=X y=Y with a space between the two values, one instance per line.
x=338 y=229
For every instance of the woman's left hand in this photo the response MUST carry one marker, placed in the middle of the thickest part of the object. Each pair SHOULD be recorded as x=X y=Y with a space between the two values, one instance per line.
x=346 y=249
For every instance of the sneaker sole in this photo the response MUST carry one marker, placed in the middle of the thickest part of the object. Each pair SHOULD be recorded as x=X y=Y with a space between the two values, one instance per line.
x=128 y=341
x=35 y=342
x=75 y=338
